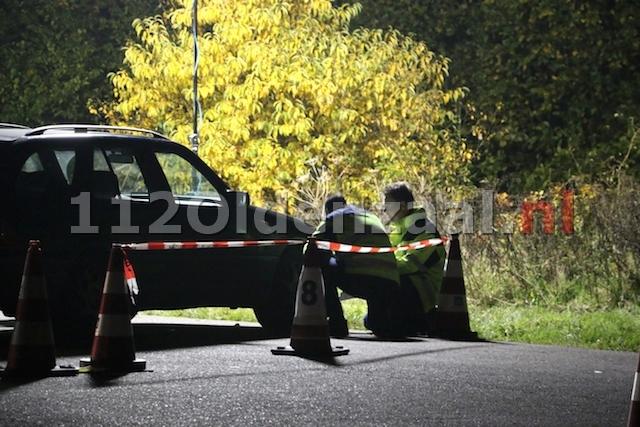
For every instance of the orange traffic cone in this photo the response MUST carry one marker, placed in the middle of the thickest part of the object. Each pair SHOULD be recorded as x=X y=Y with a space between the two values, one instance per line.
x=452 y=315
x=113 y=346
x=32 y=351
x=634 y=410
x=310 y=330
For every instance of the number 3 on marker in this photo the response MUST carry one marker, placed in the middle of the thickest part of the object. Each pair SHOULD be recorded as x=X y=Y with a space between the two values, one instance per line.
x=309 y=294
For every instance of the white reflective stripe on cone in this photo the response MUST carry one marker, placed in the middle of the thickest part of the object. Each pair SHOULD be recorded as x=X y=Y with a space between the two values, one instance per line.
x=635 y=394
x=452 y=302
x=114 y=325
x=310 y=286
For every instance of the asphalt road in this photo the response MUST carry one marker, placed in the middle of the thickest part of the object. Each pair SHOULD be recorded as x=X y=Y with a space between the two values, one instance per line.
x=219 y=374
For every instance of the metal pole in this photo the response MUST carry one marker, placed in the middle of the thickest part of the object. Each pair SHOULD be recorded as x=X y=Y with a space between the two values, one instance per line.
x=196 y=106
x=194 y=28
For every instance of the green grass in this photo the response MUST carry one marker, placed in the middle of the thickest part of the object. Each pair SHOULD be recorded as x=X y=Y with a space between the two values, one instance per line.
x=611 y=330
x=354 y=311
x=212 y=313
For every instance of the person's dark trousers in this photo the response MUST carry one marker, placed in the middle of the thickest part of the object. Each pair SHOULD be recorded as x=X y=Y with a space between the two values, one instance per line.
x=332 y=274
x=381 y=295
x=413 y=317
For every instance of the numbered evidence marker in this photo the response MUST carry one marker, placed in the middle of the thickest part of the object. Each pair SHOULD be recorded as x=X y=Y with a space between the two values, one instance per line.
x=310 y=330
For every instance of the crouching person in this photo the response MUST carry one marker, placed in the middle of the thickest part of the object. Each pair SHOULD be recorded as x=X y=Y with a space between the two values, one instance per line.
x=421 y=270
x=371 y=276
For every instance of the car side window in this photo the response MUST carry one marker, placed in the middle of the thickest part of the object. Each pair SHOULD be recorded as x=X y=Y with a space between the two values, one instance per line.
x=41 y=175
x=123 y=164
x=66 y=161
x=32 y=164
x=183 y=178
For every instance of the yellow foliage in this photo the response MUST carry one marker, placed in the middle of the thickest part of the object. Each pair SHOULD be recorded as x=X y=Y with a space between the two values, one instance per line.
x=285 y=84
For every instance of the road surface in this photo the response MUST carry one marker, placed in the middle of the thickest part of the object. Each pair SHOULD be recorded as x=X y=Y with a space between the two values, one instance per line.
x=202 y=373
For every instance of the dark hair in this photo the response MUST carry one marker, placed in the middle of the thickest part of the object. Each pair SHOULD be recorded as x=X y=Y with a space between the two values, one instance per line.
x=333 y=202
x=399 y=191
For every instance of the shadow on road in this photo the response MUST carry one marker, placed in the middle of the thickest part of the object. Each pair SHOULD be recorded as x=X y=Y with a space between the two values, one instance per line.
x=156 y=336
x=163 y=336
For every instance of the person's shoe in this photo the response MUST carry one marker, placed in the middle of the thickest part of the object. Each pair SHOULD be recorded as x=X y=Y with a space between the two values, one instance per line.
x=338 y=329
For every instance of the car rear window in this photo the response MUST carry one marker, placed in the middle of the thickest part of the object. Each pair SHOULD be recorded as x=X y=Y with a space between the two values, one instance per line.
x=44 y=174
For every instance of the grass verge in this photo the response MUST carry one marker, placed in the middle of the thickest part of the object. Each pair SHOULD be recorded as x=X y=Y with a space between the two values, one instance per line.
x=211 y=313
x=608 y=330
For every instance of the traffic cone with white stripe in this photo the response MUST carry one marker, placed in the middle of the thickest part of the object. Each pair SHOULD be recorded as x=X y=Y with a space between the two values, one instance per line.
x=634 y=410
x=32 y=350
x=113 y=345
x=310 y=330
x=452 y=315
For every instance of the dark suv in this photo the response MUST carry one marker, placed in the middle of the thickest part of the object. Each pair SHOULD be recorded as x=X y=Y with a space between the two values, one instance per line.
x=80 y=188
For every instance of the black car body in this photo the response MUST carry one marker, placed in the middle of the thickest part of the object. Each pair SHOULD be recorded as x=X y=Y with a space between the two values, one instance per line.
x=79 y=189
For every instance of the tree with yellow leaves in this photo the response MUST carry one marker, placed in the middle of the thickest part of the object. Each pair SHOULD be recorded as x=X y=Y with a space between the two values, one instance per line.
x=286 y=85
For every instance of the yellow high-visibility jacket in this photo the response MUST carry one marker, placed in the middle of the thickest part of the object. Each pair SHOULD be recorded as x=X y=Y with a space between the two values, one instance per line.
x=355 y=226
x=424 y=267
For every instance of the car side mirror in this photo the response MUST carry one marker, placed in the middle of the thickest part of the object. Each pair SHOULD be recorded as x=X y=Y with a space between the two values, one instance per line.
x=238 y=198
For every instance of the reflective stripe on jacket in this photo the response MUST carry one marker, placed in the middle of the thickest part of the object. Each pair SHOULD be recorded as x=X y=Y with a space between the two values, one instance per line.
x=424 y=268
x=355 y=226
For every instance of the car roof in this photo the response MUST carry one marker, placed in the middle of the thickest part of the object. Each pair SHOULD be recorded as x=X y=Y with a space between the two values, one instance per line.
x=11 y=132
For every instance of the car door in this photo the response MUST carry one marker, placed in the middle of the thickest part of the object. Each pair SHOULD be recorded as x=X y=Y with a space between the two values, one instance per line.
x=43 y=208
x=163 y=197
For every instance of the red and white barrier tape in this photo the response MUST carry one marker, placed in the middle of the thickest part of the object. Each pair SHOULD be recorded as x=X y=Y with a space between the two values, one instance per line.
x=132 y=283
x=153 y=246
x=341 y=247
x=129 y=276
x=322 y=244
